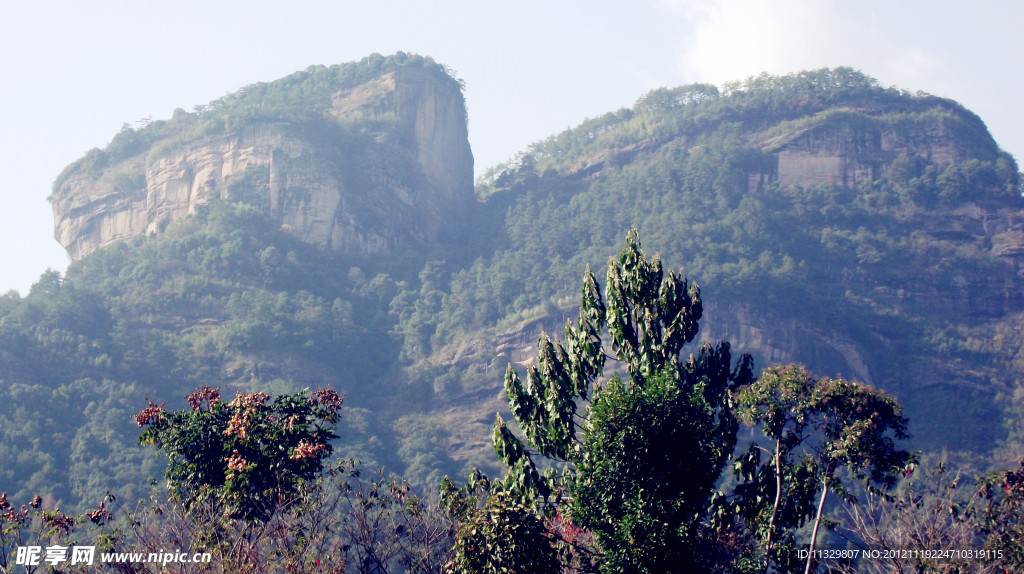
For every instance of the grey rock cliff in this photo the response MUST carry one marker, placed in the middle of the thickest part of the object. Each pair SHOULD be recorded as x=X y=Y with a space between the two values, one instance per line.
x=387 y=167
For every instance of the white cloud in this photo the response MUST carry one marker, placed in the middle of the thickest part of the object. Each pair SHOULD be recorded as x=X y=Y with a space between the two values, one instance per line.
x=723 y=40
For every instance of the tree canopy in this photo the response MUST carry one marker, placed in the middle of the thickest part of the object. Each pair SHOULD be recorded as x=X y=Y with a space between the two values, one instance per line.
x=250 y=454
x=640 y=459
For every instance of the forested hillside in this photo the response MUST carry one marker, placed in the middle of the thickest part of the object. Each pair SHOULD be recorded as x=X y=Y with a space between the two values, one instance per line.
x=864 y=231
x=860 y=230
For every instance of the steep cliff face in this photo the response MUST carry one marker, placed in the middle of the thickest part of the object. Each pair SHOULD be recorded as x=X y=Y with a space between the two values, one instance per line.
x=853 y=147
x=385 y=163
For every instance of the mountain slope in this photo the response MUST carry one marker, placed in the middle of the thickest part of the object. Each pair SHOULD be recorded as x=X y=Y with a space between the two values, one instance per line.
x=866 y=232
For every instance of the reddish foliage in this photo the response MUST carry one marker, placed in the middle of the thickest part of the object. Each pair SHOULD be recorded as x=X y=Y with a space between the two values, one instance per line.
x=152 y=413
x=328 y=398
x=307 y=450
x=204 y=393
x=100 y=515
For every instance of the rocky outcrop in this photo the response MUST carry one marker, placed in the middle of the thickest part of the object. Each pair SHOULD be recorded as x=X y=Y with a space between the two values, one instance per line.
x=849 y=148
x=389 y=164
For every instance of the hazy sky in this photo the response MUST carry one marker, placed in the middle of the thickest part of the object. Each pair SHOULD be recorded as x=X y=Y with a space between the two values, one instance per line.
x=74 y=72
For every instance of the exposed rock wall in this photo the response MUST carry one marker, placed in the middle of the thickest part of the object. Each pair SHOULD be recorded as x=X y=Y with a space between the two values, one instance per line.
x=851 y=153
x=409 y=171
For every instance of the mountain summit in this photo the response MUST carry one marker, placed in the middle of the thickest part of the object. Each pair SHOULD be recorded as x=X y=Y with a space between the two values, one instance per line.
x=365 y=157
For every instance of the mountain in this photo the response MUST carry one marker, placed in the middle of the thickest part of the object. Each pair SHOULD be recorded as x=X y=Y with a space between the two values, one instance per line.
x=867 y=232
x=365 y=158
x=323 y=230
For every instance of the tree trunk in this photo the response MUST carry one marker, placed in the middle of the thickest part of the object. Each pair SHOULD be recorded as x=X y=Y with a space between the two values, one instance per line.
x=817 y=522
x=775 y=507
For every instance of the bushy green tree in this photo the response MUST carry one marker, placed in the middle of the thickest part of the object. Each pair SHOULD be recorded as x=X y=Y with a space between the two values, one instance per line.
x=504 y=535
x=640 y=462
x=497 y=531
x=651 y=457
x=818 y=427
x=249 y=454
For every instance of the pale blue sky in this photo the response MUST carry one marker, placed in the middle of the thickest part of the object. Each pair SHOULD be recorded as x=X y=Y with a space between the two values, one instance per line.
x=74 y=72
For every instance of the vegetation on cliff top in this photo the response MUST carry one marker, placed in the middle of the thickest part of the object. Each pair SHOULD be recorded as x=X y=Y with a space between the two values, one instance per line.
x=302 y=99
x=758 y=109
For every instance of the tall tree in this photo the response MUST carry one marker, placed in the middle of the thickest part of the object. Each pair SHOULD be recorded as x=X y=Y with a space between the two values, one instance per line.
x=638 y=456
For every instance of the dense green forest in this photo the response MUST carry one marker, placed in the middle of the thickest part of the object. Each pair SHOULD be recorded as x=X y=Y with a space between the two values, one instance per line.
x=204 y=304
x=899 y=267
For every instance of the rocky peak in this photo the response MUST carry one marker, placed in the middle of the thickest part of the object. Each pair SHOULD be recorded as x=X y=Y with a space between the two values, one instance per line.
x=361 y=157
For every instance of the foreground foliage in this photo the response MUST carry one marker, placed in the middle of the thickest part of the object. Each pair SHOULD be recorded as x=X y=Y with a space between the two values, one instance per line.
x=620 y=476
x=247 y=455
x=503 y=535
x=345 y=521
x=636 y=462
